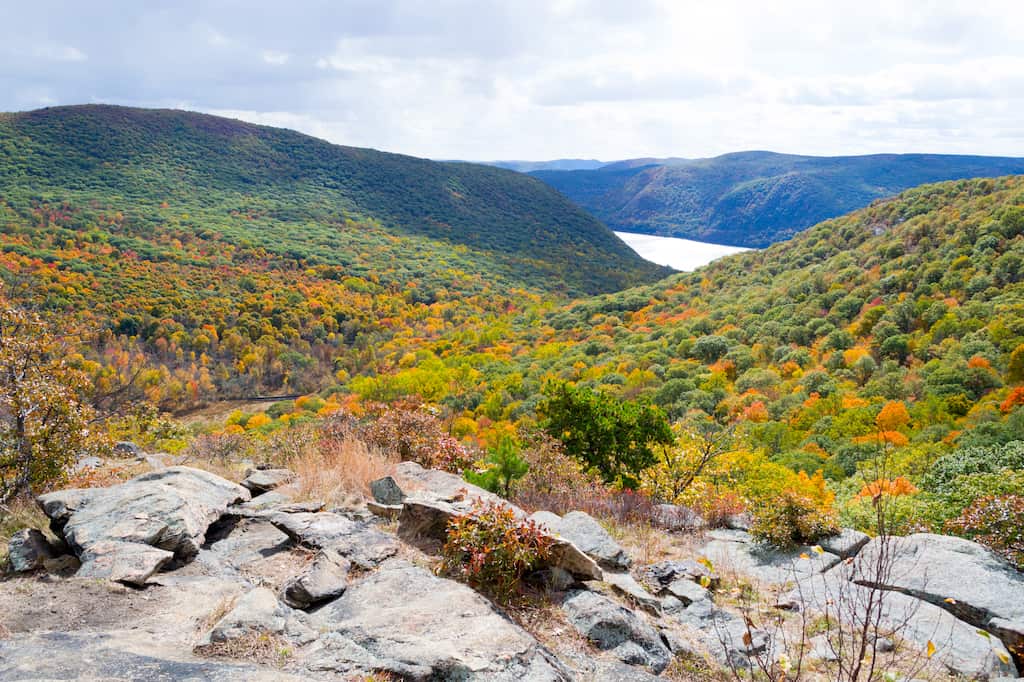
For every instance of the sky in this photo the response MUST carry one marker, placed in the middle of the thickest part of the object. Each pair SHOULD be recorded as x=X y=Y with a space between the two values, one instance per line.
x=545 y=79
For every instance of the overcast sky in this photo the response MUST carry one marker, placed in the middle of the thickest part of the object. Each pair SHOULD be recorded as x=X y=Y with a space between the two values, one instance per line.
x=543 y=79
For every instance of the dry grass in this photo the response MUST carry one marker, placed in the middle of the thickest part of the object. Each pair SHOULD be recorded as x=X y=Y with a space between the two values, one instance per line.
x=337 y=470
x=261 y=648
x=648 y=544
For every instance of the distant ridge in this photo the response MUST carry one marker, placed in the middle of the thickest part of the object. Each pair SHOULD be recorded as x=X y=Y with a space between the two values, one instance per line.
x=754 y=198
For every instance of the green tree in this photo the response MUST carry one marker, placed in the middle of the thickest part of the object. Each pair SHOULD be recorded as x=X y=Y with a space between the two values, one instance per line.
x=612 y=436
x=504 y=468
x=43 y=426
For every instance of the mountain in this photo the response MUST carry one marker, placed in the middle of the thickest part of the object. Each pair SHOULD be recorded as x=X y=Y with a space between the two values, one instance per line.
x=224 y=259
x=753 y=198
x=557 y=164
x=150 y=156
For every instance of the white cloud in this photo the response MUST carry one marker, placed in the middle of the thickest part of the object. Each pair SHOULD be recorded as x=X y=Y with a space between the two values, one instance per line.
x=483 y=79
x=275 y=58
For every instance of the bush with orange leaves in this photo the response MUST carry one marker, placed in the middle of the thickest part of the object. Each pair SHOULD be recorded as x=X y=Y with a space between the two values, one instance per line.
x=1015 y=398
x=884 y=486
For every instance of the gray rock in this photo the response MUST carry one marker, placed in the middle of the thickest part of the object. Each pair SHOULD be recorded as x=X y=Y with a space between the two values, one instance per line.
x=249 y=542
x=357 y=541
x=386 y=491
x=616 y=629
x=660 y=575
x=983 y=589
x=547 y=520
x=582 y=530
x=127 y=562
x=410 y=476
x=168 y=510
x=687 y=591
x=87 y=462
x=256 y=611
x=28 y=549
x=614 y=671
x=126 y=448
x=846 y=544
x=625 y=585
x=405 y=621
x=766 y=564
x=557 y=579
x=822 y=649
x=259 y=481
x=262 y=503
x=957 y=643
x=119 y=656
x=429 y=517
x=326 y=579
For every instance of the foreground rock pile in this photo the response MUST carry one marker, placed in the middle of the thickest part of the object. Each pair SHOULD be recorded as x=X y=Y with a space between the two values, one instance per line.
x=180 y=574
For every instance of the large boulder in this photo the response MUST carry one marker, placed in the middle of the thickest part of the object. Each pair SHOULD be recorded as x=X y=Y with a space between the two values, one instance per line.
x=582 y=530
x=958 y=644
x=387 y=491
x=357 y=541
x=957 y=575
x=405 y=621
x=610 y=627
x=133 y=529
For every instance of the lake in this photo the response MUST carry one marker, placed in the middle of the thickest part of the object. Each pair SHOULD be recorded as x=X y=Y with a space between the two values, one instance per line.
x=681 y=254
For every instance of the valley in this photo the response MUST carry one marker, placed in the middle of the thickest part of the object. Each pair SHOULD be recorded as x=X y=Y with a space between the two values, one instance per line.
x=486 y=394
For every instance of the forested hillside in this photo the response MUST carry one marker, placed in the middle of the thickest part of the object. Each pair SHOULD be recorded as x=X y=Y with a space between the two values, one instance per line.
x=223 y=259
x=753 y=198
x=897 y=329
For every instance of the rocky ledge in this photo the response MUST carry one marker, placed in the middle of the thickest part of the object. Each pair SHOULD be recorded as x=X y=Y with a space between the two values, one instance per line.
x=180 y=574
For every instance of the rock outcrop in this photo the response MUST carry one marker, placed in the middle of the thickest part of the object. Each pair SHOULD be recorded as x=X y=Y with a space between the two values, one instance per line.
x=616 y=629
x=129 y=531
x=582 y=530
x=408 y=622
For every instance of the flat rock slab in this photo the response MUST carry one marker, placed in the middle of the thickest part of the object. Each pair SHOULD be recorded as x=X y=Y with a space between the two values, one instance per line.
x=168 y=510
x=357 y=541
x=406 y=621
x=736 y=551
x=622 y=632
x=662 y=574
x=118 y=657
x=958 y=645
x=984 y=590
x=127 y=562
x=846 y=544
x=590 y=536
x=259 y=481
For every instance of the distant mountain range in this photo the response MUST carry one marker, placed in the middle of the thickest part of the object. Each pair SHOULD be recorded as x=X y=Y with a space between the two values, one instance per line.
x=557 y=164
x=751 y=198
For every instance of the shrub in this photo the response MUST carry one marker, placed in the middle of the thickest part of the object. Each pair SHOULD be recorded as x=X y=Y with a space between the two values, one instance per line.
x=492 y=549
x=502 y=468
x=996 y=522
x=409 y=430
x=793 y=519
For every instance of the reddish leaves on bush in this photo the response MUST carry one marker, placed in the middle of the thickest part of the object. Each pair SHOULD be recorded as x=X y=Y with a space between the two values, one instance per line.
x=491 y=548
x=996 y=522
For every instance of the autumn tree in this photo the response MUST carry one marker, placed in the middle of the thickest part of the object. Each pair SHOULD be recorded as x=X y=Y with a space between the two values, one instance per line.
x=43 y=425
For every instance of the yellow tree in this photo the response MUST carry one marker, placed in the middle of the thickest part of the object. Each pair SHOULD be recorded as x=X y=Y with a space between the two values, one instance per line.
x=43 y=425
